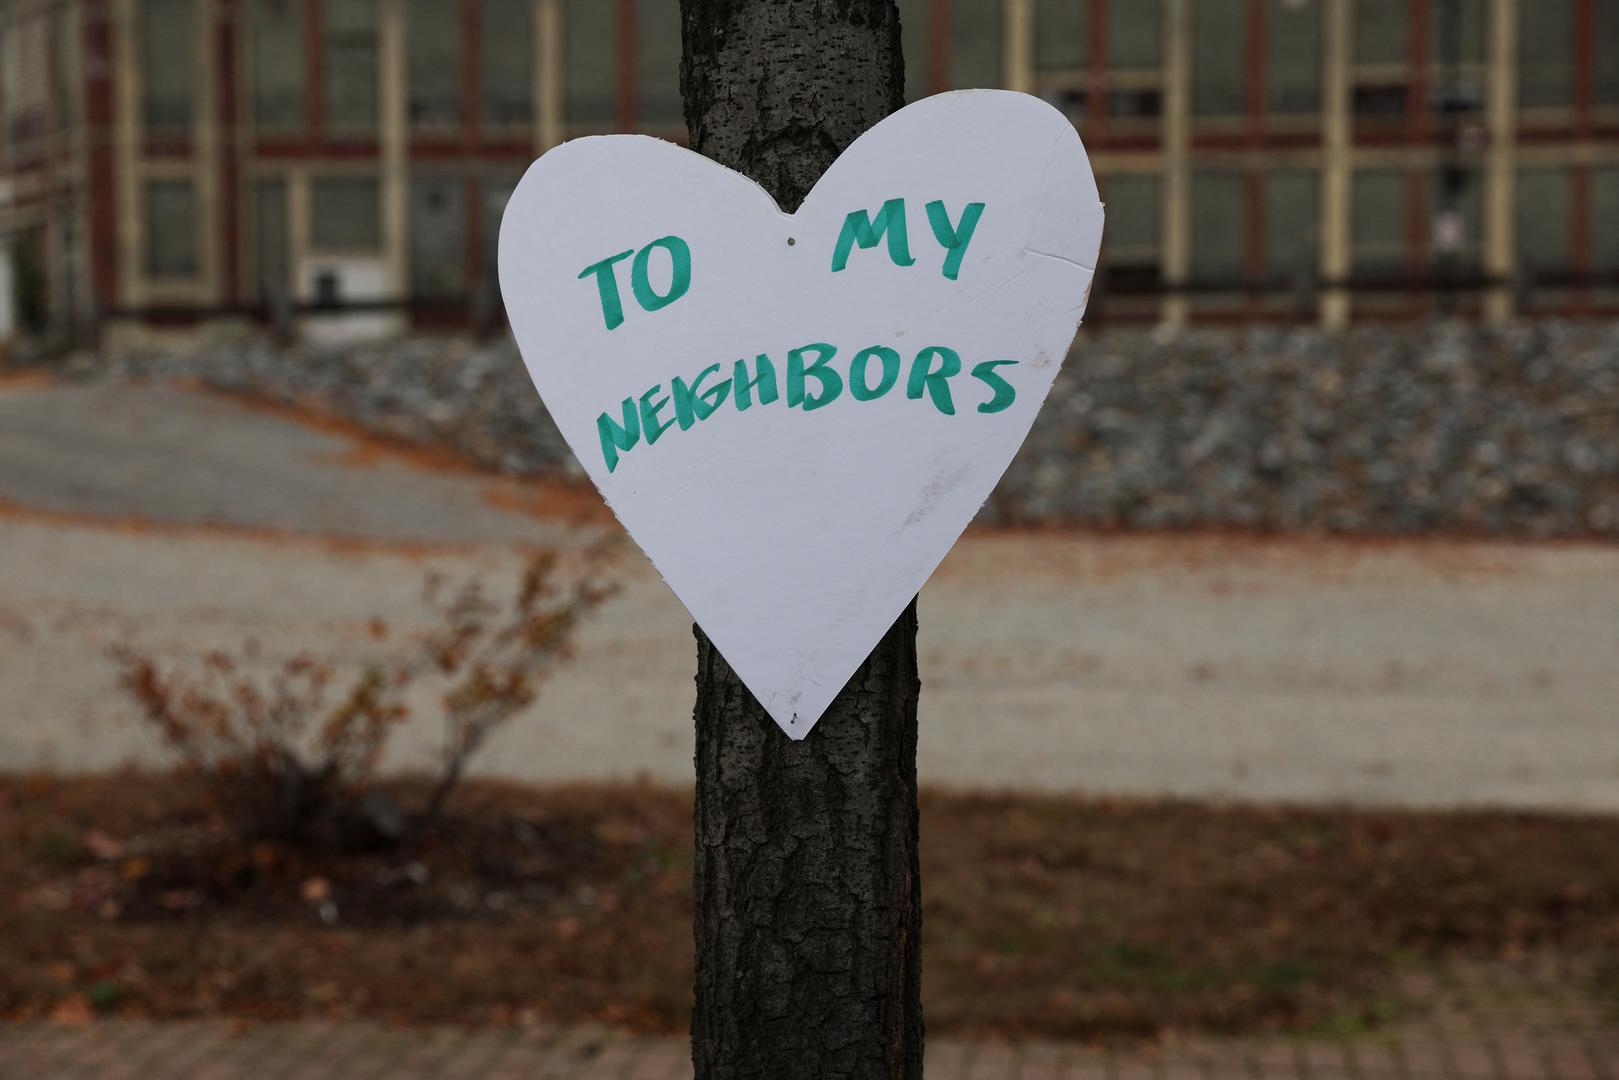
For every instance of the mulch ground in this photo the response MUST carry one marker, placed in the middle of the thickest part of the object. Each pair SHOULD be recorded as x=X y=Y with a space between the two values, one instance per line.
x=1045 y=916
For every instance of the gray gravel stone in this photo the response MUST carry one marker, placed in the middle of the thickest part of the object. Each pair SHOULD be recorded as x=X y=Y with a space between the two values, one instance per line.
x=1436 y=428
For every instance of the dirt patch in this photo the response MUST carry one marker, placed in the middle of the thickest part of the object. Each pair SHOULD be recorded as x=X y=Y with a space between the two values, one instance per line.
x=1238 y=562
x=367 y=447
x=24 y=379
x=1045 y=916
x=577 y=504
x=131 y=525
x=543 y=498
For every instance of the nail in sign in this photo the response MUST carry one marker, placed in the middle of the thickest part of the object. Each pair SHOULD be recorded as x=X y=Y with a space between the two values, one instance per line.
x=796 y=415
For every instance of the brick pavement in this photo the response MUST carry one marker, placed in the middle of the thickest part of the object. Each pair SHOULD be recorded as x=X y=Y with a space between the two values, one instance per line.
x=1522 y=1022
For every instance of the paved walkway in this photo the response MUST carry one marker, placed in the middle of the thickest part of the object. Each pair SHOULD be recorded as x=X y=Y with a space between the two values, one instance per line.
x=171 y=456
x=1416 y=673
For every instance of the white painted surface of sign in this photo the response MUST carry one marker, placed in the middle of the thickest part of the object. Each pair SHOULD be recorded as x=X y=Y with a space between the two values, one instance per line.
x=796 y=415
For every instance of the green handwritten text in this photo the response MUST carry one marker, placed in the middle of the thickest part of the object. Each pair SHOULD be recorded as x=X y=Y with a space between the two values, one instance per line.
x=813 y=380
x=606 y=274
x=859 y=230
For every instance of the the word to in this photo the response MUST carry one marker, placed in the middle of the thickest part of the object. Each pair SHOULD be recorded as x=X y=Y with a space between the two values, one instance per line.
x=650 y=299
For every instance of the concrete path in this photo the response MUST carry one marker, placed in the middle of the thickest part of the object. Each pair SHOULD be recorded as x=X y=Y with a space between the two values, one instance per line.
x=1483 y=1025
x=171 y=456
x=1424 y=673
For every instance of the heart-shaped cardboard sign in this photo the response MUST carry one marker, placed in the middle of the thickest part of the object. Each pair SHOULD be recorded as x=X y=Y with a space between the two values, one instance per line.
x=796 y=415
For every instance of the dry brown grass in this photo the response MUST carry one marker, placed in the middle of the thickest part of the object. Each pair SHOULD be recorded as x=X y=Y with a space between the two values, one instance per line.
x=1044 y=915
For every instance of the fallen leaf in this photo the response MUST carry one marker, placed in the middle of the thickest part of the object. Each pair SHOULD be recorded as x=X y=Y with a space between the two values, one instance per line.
x=102 y=846
x=75 y=1011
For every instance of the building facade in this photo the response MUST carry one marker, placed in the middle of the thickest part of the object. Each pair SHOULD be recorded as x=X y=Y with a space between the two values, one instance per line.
x=168 y=161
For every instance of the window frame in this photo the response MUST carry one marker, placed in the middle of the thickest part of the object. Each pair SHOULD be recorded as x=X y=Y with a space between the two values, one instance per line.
x=192 y=273
x=313 y=241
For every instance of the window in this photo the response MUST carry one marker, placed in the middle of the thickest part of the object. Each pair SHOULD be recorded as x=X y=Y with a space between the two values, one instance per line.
x=507 y=52
x=23 y=71
x=351 y=66
x=438 y=230
x=1382 y=98
x=345 y=214
x=1607 y=53
x=1546 y=54
x=1062 y=35
x=1382 y=85
x=657 y=62
x=171 y=229
x=1224 y=60
x=1458 y=28
x=168 y=64
x=1458 y=218
x=1379 y=225
x=1131 y=233
x=271 y=265
x=1605 y=220
x=70 y=267
x=496 y=190
x=592 y=59
x=1219 y=58
x=1382 y=32
x=1544 y=221
x=433 y=63
x=1062 y=54
x=975 y=44
x=972 y=57
x=1292 y=223
x=1134 y=59
x=65 y=66
x=277 y=44
x=913 y=27
x=1457 y=31
x=1134 y=33
x=1219 y=218
x=10 y=78
x=1293 y=58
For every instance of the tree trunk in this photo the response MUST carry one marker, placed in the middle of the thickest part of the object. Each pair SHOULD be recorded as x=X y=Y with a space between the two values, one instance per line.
x=808 y=896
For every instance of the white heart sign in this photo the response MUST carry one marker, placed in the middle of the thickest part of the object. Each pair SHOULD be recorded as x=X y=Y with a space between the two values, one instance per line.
x=796 y=415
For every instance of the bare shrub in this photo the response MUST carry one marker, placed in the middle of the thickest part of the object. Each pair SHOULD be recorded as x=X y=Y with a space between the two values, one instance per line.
x=291 y=753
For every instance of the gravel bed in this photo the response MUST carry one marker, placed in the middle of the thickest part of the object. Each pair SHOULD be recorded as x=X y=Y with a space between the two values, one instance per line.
x=1435 y=428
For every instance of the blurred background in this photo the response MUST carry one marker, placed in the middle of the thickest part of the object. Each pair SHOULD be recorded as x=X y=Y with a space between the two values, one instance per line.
x=178 y=162
x=1270 y=714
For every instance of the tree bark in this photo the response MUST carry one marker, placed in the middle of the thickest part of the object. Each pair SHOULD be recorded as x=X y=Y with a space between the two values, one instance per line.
x=808 y=897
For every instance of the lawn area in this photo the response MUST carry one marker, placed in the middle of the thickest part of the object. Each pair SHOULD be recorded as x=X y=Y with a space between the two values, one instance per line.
x=1044 y=916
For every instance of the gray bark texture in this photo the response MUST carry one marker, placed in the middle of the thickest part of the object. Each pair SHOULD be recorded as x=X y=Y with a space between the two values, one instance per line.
x=808 y=896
